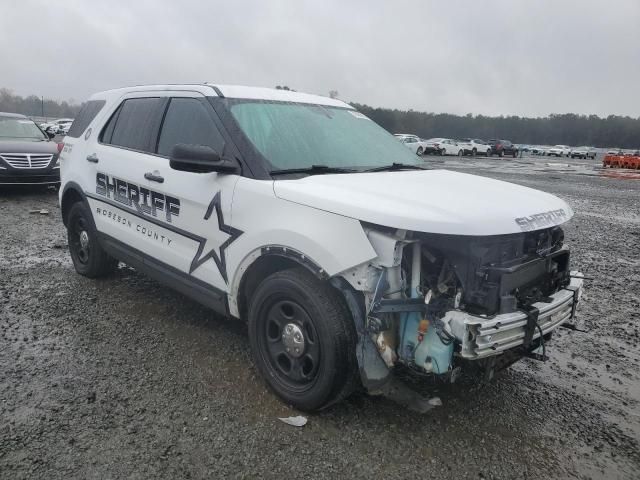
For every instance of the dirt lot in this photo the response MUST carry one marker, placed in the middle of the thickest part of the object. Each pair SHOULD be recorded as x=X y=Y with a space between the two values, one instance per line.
x=122 y=378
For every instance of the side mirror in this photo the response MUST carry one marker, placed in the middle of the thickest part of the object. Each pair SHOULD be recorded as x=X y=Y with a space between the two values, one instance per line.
x=50 y=134
x=200 y=159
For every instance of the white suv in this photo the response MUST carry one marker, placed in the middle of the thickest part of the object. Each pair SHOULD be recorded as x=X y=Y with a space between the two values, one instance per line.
x=559 y=151
x=412 y=142
x=300 y=215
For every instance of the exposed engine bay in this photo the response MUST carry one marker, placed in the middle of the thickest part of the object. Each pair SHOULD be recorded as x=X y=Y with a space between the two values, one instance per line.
x=438 y=303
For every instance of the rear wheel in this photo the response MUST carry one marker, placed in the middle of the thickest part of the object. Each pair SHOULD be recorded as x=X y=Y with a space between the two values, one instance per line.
x=501 y=153
x=474 y=152
x=488 y=153
x=303 y=339
x=515 y=153
x=89 y=259
x=460 y=153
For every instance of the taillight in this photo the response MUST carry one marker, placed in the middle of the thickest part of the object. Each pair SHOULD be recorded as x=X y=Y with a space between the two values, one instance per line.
x=60 y=147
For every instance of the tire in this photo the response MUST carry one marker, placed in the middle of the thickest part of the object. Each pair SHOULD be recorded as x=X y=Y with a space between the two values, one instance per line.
x=515 y=153
x=460 y=153
x=89 y=259
x=501 y=153
x=420 y=151
x=488 y=153
x=441 y=153
x=295 y=304
x=474 y=152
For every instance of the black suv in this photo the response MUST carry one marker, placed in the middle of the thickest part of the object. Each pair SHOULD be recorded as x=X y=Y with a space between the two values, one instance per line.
x=27 y=154
x=502 y=148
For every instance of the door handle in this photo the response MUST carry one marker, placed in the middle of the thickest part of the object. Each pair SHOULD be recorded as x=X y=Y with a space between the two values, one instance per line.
x=151 y=176
x=93 y=158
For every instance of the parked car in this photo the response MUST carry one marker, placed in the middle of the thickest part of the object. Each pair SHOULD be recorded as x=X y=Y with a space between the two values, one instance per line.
x=412 y=142
x=63 y=128
x=58 y=126
x=348 y=260
x=583 y=152
x=475 y=146
x=615 y=151
x=27 y=154
x=559 y=151
x=539 y=150
x=502 y=148
x=432 y=147
x=449 y=147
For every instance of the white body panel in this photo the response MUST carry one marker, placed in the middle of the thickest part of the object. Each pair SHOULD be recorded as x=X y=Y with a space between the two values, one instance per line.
x=436 y=201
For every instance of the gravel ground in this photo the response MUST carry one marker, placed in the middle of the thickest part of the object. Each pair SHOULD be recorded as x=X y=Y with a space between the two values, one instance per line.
x=123 y=378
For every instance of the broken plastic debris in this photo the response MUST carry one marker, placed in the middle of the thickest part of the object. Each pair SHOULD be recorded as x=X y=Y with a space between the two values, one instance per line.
x=435 y=401
x=43 y=211
x=298 y=421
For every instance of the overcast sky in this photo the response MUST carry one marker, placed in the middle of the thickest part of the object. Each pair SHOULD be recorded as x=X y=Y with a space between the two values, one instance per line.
x=482 y=57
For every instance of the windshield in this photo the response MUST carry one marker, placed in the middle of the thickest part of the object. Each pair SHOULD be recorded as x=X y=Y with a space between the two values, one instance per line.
x=294 y=135
x=22 y=128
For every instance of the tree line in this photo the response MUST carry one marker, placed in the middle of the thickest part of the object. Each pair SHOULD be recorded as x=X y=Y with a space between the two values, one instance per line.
x=563 y=129
x=568 y=128
x=34 y=106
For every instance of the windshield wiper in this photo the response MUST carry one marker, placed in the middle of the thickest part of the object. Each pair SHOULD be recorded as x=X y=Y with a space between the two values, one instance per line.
x=313 y=170
x=395 y=166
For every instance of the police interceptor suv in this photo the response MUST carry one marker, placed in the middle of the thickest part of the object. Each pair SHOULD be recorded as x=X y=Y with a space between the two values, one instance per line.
x=345 y=255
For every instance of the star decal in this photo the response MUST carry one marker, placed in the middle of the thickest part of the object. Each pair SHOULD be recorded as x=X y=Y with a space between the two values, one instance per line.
x=218 y=256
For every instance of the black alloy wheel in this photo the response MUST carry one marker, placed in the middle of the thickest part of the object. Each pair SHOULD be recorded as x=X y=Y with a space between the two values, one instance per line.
x=89 y=259
x=303 y=339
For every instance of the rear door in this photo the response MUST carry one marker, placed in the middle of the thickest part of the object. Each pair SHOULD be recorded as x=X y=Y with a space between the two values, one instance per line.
x=119 y=157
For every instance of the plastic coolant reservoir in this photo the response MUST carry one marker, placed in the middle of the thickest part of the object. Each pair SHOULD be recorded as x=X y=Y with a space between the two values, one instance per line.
x=432 y=351
x=431 y=354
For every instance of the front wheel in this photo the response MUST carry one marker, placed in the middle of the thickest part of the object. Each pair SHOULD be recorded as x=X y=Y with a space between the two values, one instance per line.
x=420 y=151
x=303 y=339
x=89 y=259
x=474 y=152
x=460 y=153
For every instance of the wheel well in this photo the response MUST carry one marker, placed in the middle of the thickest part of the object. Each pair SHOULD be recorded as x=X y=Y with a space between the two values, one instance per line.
x=259 y=270
x=69 y=197
x=266 y=265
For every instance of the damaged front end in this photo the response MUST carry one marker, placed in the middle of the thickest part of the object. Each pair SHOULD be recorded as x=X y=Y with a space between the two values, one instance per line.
x=438 y=303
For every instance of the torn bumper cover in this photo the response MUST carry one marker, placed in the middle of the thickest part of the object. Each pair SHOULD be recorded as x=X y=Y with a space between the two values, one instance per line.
x=482 y=337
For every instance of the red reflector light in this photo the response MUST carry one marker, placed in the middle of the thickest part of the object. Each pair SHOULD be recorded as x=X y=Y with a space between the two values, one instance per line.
x=60 y=147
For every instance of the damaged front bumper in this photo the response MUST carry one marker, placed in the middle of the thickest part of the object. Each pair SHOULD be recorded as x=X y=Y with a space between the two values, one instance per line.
x=482 y=337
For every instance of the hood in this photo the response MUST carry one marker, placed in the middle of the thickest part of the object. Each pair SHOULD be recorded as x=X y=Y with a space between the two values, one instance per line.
x=434 y=201
x=28 y=146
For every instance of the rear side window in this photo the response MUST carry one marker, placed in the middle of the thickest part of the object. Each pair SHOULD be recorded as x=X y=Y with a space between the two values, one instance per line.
x=188 y=121
x=134 y=124
x=86 y=115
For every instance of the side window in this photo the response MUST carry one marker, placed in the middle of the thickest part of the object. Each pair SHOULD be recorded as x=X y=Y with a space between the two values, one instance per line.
x=86 y=115
x=187 y=121
x=133 y=125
